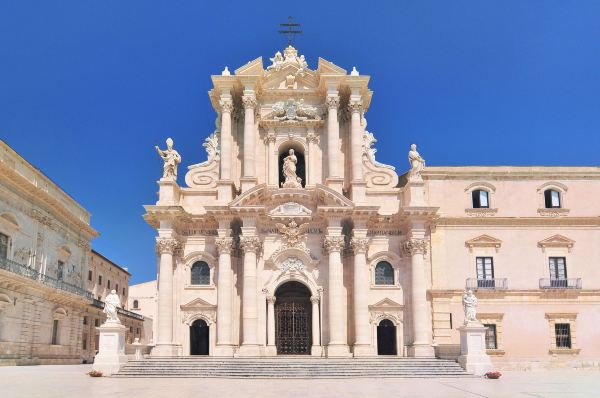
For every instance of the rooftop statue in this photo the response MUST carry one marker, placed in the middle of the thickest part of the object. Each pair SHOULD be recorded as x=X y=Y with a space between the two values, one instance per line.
x=111 y=303
x=289 y=57
x=171 y=159
x=289 y=171
x=417 y=163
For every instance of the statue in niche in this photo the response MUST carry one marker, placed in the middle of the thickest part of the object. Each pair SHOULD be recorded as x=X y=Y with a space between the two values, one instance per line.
x=469 y=302
x=111 y=303
x=417 y=163
x=289 y=171
x=171 y=159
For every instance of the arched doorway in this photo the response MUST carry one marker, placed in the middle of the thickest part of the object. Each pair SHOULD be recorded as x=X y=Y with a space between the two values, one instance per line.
x=386 y=338
x=293 y=319
x=199 y=338
x=300 y=166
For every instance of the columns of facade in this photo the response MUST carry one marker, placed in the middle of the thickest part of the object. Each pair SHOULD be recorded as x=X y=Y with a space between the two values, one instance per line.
x=250 y=246
x=271 y=321
x=422 y=345
x=312 y=141
x=338 y=345
x=165 y=248
x=362 y=327
x=249 y=155
x=315 y=320
x=272 y=161
x=355 y=107
x=224 y=346
x=333 y=142
x=225 y=192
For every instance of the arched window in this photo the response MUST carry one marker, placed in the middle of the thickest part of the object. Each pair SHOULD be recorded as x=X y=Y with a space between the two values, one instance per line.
x=200 y=273
x=384 y=273
x=136 y=304
x=481 y=199
x=552 y=199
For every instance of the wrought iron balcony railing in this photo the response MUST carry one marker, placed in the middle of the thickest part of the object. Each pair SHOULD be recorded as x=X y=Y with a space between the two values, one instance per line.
x=565 y=283
x=32 y=274
x=496 y=283
x=100 y=304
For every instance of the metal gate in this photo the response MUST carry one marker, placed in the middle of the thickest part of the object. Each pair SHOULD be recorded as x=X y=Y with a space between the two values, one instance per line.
x=292 y=328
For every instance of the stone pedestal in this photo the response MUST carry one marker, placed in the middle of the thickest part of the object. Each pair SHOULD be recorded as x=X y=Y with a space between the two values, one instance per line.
x=473 y=357
x=111 y=354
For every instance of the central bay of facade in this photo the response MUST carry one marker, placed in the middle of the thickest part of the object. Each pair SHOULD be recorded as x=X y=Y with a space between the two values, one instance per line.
x=291 y=238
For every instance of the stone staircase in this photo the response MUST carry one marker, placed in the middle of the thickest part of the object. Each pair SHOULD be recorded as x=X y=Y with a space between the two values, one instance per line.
x=292 y=367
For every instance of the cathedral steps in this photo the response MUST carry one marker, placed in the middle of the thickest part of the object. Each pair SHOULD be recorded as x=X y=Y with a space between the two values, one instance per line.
x=291 y=368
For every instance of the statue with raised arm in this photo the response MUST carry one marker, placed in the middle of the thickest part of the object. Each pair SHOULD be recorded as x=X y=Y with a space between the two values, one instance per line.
x=469 y=302
x=289 y=171
x=111 y=303
x=171 y=159
x=417 y=163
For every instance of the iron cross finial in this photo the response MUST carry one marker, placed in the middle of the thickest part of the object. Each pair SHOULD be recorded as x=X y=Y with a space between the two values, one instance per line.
x=291 y=30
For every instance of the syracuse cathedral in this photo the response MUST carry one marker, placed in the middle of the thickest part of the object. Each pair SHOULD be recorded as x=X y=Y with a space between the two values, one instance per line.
x=291 y=239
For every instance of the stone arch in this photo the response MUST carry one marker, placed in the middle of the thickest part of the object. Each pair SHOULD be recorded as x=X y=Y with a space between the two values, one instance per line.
x=59 y=314
x=393 y=259
x=191 y=318
x=10 y=220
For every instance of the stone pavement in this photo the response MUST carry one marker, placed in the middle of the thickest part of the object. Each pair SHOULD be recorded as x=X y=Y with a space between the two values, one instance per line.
x=65 y=381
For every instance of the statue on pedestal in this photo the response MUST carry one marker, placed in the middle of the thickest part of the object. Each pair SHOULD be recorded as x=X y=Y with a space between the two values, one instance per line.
x=111 y=303
x=171 y=158
x=469 y=302
x=289 y=171
x=417 y=163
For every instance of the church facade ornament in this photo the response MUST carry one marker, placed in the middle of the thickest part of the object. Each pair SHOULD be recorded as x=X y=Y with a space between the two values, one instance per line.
x=415 y=246
x=359 y=245
x=250 y=244
x=224 y=245
x=167 y=245
x=334 y=243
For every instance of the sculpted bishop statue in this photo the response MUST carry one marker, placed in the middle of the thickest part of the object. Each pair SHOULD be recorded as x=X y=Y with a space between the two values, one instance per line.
x=469 y=306
x=417 y=163
x=171 y=159
x=289 y=171
x=111 y=303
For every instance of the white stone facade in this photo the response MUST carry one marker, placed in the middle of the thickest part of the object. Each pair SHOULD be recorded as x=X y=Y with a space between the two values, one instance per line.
x=363 y=261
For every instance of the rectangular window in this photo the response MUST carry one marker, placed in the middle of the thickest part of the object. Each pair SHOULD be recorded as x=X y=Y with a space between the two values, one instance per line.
x=491 y=342
x=90 y=276
x=60 y=271
x=84 y=339
x=100 y=280
x=130 y=329
x=485 y=272
x=117 y=288
x=552 y=199
x=563 y=335
x=558 y=271
x=3 y=246
x=85 y=320
x=96 y=323
x=480 y=199
x=137 y=331
x=55 y=332
x=108 y=284
x=123 y=292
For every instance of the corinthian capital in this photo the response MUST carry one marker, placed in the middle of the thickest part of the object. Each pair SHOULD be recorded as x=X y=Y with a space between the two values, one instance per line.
x=250 y=244
x=415 y=246
x=271 y=299
x=249 y=101
x=359 y=245
x=333 y=102
x=314 y=299
x=224 y=245
x=333 y=244
x=355 y=106
x=166 y=245
x=226 y=105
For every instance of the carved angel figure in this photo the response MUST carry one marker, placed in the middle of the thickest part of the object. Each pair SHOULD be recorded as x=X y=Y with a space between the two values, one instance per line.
x=111 y=303
x=469 y=302
x=171 y=159
x=292 y=232
x=276 y=62
x=417 y=163
x=306 y=110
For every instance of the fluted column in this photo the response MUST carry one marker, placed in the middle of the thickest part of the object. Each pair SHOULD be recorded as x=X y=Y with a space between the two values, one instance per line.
x=362 y=327
x=355 y=107
x=316 y=335
x=333 y=135
x=421 y=346
x=271 y=320
x=165 y=248
x=272 y=161
x=249 y=101
x=226 y=139
x=338 y=345
x=224 y=298
x=250 y=246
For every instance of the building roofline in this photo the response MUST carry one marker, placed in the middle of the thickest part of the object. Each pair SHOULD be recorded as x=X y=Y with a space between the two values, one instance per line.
x=112 y=262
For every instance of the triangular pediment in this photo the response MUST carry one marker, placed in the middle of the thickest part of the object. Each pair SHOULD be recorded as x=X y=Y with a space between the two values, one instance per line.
x=329 y=68
x=288 y=77
x=484 y=241
x=252 y=68
x=556 y=241
x=198 y=304
x=385 y=304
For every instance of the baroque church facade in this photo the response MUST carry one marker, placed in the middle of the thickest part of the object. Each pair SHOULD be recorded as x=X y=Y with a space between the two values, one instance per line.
x=291 y=239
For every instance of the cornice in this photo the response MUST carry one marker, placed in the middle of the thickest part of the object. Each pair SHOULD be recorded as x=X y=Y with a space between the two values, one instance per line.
x=518 y=221
x=511 y=173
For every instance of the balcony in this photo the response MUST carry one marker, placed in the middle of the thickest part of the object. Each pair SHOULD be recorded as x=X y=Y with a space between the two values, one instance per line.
x=32 y=274
x=100 y=304
x=492 y=284
x=566 y=283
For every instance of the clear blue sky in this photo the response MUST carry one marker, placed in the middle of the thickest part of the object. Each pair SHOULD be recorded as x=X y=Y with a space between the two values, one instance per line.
x=87 y=88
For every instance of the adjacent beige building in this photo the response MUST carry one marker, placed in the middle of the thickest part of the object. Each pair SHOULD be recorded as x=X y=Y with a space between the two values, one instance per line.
x=142 y=300
x=291 y=239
